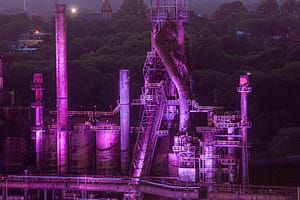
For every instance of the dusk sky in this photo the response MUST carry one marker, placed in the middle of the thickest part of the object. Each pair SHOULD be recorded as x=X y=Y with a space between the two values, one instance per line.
x=47 y=5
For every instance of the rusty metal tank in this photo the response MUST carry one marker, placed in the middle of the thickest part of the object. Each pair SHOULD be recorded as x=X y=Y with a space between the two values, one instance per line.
x=108 y=147
x=49 y=154
x=82 y=147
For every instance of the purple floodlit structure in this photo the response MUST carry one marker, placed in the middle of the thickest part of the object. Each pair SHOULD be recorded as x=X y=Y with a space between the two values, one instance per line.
x=125 y=119
x=108 y=147
x=244 y=89
x=231 y=155
x=167 y=143
x=38 y=105
x=61 y=90
x=166 y=15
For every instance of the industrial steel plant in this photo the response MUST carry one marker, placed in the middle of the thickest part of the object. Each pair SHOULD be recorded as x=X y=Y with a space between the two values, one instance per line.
x=180 y=149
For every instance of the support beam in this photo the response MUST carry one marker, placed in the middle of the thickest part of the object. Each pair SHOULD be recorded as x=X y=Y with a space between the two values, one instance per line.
x=125 y=120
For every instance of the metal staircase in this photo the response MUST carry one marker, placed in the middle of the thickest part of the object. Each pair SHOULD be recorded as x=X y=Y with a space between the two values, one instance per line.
x=154 y=99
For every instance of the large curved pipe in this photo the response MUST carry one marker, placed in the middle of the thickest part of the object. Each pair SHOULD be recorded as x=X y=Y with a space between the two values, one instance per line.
x=177 y=79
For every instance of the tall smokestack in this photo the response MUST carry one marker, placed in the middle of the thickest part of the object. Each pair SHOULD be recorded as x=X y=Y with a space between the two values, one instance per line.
x=125 y=119
x=244 y=89
x=61 y=90
x=38 y=106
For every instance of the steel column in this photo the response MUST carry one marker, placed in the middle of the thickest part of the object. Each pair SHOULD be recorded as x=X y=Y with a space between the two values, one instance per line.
x=125 y=120
x=61 y=90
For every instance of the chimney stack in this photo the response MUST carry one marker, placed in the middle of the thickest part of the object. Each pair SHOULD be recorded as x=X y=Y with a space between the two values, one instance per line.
x=61 y=90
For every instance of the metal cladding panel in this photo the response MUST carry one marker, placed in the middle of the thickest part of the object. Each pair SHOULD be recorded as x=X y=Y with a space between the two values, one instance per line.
x=187 y=174
x=108 y=149
x=173 y=164
x=160 y=159
x=49 y=154
x=82 y=150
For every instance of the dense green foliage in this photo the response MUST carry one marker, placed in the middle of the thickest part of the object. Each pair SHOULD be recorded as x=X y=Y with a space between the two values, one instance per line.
x=231 y=42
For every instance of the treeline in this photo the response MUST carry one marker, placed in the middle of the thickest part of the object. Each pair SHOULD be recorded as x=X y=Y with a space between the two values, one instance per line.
x=231 y=42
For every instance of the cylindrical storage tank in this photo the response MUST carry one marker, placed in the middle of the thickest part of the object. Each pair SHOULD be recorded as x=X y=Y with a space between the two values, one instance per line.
x=108 y=147
x=82 y=145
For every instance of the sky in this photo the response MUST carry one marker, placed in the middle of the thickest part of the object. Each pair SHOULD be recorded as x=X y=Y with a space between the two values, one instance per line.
x=37 y=6
x=46 y=7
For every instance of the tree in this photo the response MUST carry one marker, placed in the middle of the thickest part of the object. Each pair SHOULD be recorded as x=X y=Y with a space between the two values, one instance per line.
x=288 y=7
x=206 y=51
x=226 y=10
x=268 y=7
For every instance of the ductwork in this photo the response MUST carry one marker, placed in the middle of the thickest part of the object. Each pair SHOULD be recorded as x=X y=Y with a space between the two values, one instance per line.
x=176 y=77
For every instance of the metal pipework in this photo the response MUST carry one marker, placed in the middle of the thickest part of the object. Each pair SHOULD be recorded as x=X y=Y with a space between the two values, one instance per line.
x=125 y=119
x=209 y=152
x=231 y=153
x=38 y=105
x=177 y=79
x=61 y=90
x=180 y=38
x=244 y=89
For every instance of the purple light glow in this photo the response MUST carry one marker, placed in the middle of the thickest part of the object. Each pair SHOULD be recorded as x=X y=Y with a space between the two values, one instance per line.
x=125 y=119
x=231 y=153
x=61 y=90
x=177 y=79
x=244 y=89
x=108 y=148
x=38 y=106
x=209 y=153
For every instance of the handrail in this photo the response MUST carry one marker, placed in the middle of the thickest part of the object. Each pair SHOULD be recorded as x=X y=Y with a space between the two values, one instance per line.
x=32 y=182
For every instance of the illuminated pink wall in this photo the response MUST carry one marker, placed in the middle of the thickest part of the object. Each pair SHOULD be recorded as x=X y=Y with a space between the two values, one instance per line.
x=61 y=90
